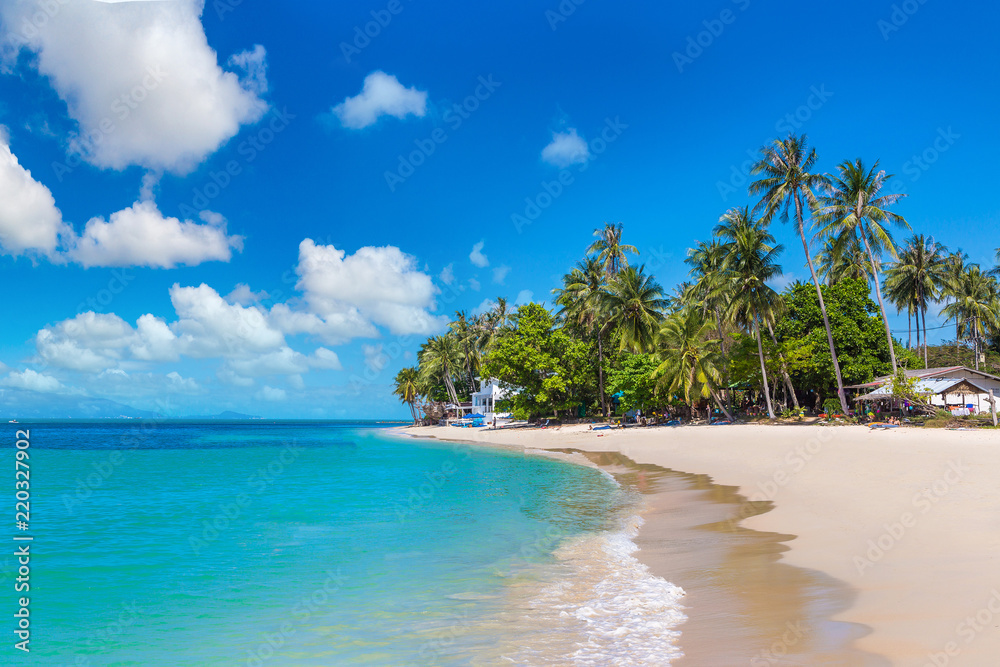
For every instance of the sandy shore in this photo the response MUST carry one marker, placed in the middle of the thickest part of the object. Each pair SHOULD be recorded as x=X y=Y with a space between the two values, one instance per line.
x=907 y=520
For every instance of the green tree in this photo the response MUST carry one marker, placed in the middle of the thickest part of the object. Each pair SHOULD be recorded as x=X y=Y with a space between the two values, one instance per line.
x=407 y=388
x=635 y=303
x=787 y=183
x=632 y=377
x=689 y=359
x=752 y=259
x=856 y=206
x=916 y=280
x=610 y=250
x=976 y=307
x=539 y=363
x=439 y=359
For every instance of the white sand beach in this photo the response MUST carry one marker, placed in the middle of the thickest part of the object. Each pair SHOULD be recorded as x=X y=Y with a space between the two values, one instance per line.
x=909 y=518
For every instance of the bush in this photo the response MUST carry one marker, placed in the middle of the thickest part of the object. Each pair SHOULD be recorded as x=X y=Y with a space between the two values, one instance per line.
x=831 y=406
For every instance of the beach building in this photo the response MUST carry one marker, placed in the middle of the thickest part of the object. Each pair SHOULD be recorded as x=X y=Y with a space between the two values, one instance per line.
x=958 y=389
x=485 y=400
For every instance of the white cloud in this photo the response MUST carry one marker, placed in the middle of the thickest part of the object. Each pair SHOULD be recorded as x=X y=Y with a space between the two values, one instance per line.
x=375 y=359
x=477 y=257
x=177 y=383
x=271 y=394
x=382 y=95
x=229 y=377
x=325 y=359
x=29 y=219
x=208 y=326
x=500 y=274
x=376 y=285
x=29 y=379
x=448 y=274
x=140 y=80
x=474 y=285
x=141 y=236
x=566 y=148
x=284 y=361
x=523 y=297
x=244 y=296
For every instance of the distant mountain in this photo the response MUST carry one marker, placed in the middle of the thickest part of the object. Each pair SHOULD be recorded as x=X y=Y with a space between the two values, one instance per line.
x=26 y=404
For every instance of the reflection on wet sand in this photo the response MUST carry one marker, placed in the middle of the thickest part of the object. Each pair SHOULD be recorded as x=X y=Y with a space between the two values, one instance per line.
x=744 y=606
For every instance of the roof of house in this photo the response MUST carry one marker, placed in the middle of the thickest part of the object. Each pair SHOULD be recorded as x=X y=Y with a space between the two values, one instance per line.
x=957 y=372
x=928 y=387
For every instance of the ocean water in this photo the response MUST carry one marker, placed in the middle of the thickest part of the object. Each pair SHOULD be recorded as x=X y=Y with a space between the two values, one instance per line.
x=325 y=543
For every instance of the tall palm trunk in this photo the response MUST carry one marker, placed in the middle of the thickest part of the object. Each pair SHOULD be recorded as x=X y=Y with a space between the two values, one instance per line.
x=600 y=372
x=763 y=371
x=450 y=386
x=722 y=407
x=881 y=304
x=784 y=369
x=822 y=308
x=909 y=330
x=925 y=335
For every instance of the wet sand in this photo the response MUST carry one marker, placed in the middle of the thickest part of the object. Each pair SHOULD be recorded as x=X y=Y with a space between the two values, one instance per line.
x=892 y=536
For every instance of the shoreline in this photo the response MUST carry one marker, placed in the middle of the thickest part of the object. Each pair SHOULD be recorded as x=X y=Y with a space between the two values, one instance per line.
x=907 y=519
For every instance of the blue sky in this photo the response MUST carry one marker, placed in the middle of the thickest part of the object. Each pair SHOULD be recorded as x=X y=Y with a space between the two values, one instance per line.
x=162 y=165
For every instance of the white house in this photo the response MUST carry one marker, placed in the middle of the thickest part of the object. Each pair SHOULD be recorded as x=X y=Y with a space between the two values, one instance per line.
x=485 y=400
x=958 y=389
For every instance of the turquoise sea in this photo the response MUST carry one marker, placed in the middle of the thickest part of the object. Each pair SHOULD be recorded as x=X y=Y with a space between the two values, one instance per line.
x=323 y=543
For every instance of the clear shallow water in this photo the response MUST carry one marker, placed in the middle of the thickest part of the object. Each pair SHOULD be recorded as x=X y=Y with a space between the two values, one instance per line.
x=305 y=543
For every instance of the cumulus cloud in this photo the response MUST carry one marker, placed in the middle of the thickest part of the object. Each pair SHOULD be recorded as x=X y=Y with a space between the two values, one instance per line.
x=325 y=359
x=140 y=80
x=29 y=219
x=381 y=95
x=477 y=257
x=523 y=297
x=375 y=359
x=29 y=379
x=500 y=274
x=380 y=285
x=271 y=394
x=142 y=236
x=208 y=326
x=566 y=148
x=244 y=296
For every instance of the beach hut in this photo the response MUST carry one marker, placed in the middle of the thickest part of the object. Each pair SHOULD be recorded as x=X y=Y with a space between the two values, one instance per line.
x=958 y=389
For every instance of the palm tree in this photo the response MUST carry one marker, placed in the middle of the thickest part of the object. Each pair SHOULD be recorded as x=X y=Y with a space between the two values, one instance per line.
x=753 y=261
x=916 y=279
x=583 y=306
x=407 y=388
x=976 y=307
x=786 y=181
x=610 y=250
x=954 y=269
x=439 y=358
x=635 y=303
x=856 y=206
x=842 y=258
x=689 y=363
x=466 y=337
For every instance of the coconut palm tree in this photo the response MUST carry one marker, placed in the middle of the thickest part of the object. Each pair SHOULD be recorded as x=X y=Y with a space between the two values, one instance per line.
x=610 y=250
x=466 y=336
x=688 y=358
x=635 y=303
x=787 y=183
x=954 y=269
x=407 y=388
x=440 y=357
x=976 y=307
x=917 y=279
x=752 y=260
x=856 y=206
x=583 y=307
x=842 y=258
